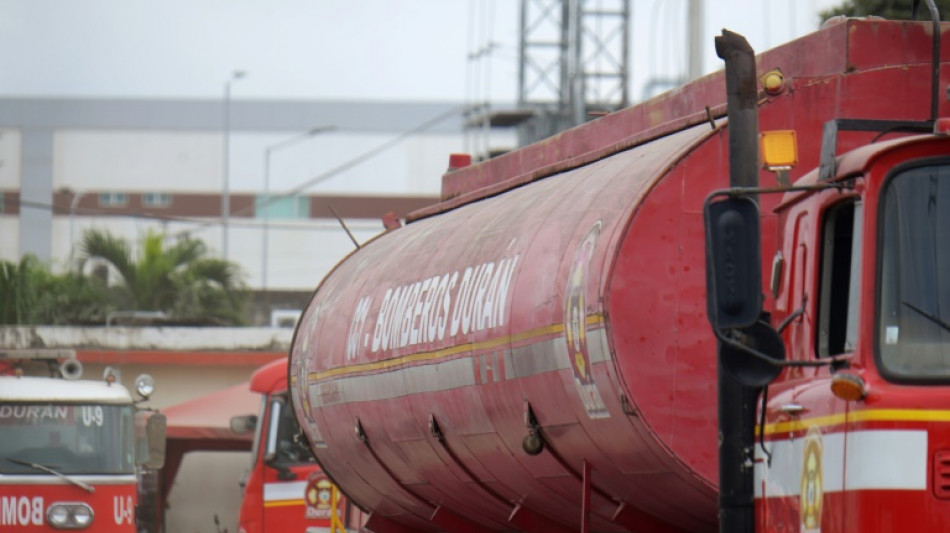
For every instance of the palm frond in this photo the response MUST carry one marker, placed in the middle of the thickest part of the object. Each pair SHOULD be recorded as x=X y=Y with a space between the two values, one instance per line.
x=115 y=250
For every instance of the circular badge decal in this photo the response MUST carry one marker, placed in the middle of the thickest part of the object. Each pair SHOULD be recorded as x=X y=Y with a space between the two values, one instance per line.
x=812 y=492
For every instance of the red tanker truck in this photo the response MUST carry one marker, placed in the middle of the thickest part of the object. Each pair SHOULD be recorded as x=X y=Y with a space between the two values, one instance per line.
x=534 y=352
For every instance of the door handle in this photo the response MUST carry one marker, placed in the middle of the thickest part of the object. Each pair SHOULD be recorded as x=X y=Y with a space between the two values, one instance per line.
x=792 y=409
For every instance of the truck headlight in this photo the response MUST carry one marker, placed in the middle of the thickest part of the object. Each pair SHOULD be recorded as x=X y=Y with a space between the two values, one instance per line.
x=145 y=385
x=58 y=516
x=69 y=515
x=82 y=516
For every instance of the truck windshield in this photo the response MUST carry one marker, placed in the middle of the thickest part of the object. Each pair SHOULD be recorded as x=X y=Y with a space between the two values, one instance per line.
x=914 y=321
x=67 y=438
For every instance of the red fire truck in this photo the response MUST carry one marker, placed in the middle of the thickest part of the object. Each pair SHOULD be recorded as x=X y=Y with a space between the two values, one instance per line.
x=285 y=489
x=70 y=447
x=534 y=352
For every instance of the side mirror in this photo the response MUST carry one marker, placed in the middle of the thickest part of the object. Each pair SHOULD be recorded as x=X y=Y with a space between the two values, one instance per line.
x=733 y=263
x=243 y=424
x=751 y=371
x=150 y=439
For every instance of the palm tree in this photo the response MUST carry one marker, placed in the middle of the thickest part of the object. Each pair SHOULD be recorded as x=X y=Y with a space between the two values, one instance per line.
x=31 y=294
x=179 y=280
x=18 y=290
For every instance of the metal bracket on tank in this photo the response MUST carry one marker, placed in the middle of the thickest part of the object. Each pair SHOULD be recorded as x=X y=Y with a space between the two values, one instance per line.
x=626 y=516
x=523 y=518
x=360 y=433
x=444 y=518
x=627 y=407
x=533 y=443
x=435 y=430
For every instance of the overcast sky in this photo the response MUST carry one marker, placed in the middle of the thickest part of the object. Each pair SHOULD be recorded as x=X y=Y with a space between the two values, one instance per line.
x=327 y=49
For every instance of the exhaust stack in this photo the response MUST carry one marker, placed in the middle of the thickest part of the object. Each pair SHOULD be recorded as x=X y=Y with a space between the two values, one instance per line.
x=736 y=401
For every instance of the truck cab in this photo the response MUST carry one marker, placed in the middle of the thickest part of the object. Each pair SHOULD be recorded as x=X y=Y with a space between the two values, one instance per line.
x=862 y=281
x=285 y=490
x=72 y=449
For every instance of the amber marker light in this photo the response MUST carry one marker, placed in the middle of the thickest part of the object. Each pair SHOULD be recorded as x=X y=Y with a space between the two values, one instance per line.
x=773 y=82
x=848 y=387
x=779 y=149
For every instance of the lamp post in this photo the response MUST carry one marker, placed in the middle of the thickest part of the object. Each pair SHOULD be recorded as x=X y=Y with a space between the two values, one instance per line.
x=265 y=203
x=225 y=187
x=75 y=196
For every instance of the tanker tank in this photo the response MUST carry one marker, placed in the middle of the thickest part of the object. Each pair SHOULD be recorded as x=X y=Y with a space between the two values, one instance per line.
x=545 y=323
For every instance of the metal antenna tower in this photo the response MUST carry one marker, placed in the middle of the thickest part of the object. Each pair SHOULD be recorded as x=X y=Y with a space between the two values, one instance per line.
x=573 y=63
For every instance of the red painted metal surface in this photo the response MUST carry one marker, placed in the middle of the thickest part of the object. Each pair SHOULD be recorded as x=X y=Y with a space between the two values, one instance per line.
x=559 y=292
x=820 y=60
x=858 y=440
x=270 y=378
x=24 y=504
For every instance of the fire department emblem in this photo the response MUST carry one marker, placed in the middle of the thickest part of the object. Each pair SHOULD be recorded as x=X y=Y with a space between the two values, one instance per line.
x=318 y=497
x=812 y=492
x=575 y=325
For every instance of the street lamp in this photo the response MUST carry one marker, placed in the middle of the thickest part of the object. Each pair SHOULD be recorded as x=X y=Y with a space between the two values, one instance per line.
x=72 y=232
x=225 y=192
x=74 y=197
x=265 y=203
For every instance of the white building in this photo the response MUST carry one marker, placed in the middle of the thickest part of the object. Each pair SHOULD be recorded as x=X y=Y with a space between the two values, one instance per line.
x=130 y=166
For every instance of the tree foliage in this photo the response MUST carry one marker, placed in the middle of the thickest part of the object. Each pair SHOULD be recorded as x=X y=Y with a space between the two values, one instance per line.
x=179 y=280
x=31 y=294
x=889 y=9
x=17 y=290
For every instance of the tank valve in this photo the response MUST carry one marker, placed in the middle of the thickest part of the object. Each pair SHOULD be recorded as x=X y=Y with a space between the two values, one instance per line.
x=532 y=444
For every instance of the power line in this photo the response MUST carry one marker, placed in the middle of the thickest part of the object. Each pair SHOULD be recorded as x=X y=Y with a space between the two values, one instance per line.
x=307 y=224
x=203 y=223
x=320 y=178
x=457 y=110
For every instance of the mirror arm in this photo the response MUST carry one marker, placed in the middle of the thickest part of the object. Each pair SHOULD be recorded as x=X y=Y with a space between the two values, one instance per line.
x=795 y=314
x=759 y=355
x=735 y=192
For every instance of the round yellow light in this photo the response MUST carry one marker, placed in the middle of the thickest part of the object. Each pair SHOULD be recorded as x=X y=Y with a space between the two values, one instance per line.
x=773 y=82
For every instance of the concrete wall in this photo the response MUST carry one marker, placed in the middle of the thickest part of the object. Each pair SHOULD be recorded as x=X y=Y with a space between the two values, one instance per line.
x=168 y=339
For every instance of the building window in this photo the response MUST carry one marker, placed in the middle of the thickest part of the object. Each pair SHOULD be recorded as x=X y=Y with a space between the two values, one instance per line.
x=156 y=199
x=112 y=199
x=282 y=207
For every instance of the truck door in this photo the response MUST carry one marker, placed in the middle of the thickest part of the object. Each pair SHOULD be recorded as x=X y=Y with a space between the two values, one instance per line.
x=837 y=335
x=803 y=472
